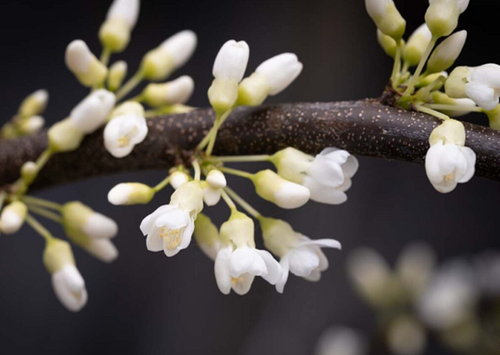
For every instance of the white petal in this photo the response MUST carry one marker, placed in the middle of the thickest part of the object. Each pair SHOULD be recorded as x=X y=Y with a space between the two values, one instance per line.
x=78 y=56
x=99 y=226
x=119 y=195
x=149 y=222
x=323 y=243
x=482 y=95
x=470 y=157
x=231 y=61
x=246 y=260
x=181 y=46
x=291 y=195
x=126 y=10
x=211 y=196
x=285 y=271
x=221 y=268
x=103 y=250
x=122 y=133
x=10 y=222
x=174 y=219
x=242 y=286
x=92 y=112
x=280 y=71
x=273 y=267
x=323 y=194
x=326 y=171
x=303 y=261
x=69 y=288
x=153 y=241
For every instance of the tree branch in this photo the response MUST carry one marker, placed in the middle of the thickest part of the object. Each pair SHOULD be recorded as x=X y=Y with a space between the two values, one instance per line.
x=362 y=127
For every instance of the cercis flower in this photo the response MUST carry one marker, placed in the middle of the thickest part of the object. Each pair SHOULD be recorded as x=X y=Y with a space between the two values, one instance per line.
x=34 y=104
x=120 y=21
x=448 y=162
x=130 y=194
x=447 y=52
x=173 y=92
x=13 y=217
x=386 y=17
x=442 y=16
x=123 y=133
x=86 y=67
x=67 y=282
x=270 y=78
x=90 y=114
x=417 y=44
x=298 y=254
x=238 y=261
x=170 y=228
x=327 y=176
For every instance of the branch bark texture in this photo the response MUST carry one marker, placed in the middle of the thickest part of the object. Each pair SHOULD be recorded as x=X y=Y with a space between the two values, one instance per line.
x=362 y=127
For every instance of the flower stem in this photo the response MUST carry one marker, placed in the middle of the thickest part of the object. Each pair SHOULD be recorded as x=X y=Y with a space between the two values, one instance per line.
x=418 y=71
x=236 y=172
x=454 y=108
x=432 y=112
x=197 y=170
x=244 y=158
x=39 y=228
x=162 y=184
x=44 y=213
x=130 y=85
x=397 y=63
x=105 y=56
x=42 y=203
x=240 y=201
x=211 y=137
x=228 y=200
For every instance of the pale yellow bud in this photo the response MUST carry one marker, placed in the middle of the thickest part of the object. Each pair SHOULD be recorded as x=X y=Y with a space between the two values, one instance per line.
x=450 y=131
x=455 y=84
x=34 y=105
x=56 y=255
x=173 y=92
x=86 y=67
x=447 y=52
x=416 y=46
x=130 y=194
x=64 y=136
x=223 y=95
x=271 y=187
x=29 y=172
x=117 y=74
x=442 y=17
x=13 y=217
x=386 y=17
x=115 y=35
x=239 y=229
x=253 y=90
x=128 y=108
x=387 y=43
x=206 y=235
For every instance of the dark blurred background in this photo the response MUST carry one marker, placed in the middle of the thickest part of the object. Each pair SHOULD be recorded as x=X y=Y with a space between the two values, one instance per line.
x=148 y=304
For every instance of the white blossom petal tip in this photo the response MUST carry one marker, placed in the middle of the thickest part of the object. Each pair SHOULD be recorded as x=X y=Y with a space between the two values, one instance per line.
x=231 y=61
x=69 y=288
x=123 y=133
x=280 y=71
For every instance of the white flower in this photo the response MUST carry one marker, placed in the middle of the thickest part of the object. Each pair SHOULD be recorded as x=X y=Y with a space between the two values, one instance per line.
x=102 y=249
x=31 y=125
x=170 y=228
x=178 y=178
x=448 y=162
x=298 y=254
x=285 y=194
x=117 y=73
x=231 y=61
x=13 y=217
x=447 y=53
x=386 y=17
x=462 y=4
x=123 y=133
x=178 y=91
x=483 y=85
x=125 y=10
x=130 y=194
x=236 y=268
x=341 y=341
x=327 y=176
x=442 y=16
x=216 y=179
x=280 y=71
x=238 y=261
x=86 y=67
x=35 y=104
x=211 y=195
x=90 y=114
x=69 y=288
x=451 y=297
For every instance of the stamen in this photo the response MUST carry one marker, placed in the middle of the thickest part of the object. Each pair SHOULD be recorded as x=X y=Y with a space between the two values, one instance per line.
x=172 y=236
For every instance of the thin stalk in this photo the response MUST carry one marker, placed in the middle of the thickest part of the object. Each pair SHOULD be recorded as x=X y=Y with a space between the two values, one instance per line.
x=162 y=184
x=228 y=200
x=416 y=75
x=244 y=158
x=397 y=62
x=219 y=121
x=42 y=203
x=236 y=172
x=105 y=56
x=432 y=112
x=43 y=159
x=441 y=107
x=197 y=170
x=130 y=85
x=39 y=228
x=240 y=201
x=44 y=213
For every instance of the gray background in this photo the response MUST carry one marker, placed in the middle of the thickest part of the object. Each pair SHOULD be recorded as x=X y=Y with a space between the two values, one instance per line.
x=145 y=303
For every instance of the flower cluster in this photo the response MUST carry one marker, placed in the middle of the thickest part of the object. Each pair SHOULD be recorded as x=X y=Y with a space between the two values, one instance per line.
x=430 y=89
x=298 y=178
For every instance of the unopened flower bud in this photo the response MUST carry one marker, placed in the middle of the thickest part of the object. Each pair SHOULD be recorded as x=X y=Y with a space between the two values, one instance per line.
x=121 y=20
x=271 y=187
x=239 y=229
x=386 y=17
x=387 y=43
x=86 y=67
x=31 y=125
x=442 y=16
x=189 y=196
x=229 y=68
x=211 y=195
x=29 y=172
x=123 y=133
x=443 y=99
x=417 y=44
x=178 y=178
x=207 y=236
x=455 y=84
x=13 y=217
x=431 y=79
x=178 y=91
x=447 y=53
x=64 y=136
x=34 y=104
x=90 y=114
x=216 y=179
x=160 y=62
x=128 y=108
x=270 y=78
x=130 y=194
x=117 y=74
x=494 y=117
x=450 y=131
x=67 y=282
